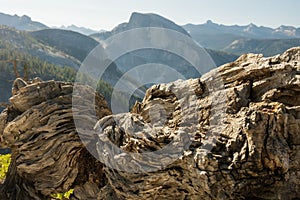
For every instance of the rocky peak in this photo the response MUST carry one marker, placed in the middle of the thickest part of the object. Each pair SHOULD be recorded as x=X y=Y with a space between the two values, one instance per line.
x=25 y=18
x=21 y=23
x=140 y=20
x=209 y=22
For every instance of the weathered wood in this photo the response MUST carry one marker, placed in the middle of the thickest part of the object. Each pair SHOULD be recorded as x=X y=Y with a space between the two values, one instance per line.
x=47 y=154
x=255 y=154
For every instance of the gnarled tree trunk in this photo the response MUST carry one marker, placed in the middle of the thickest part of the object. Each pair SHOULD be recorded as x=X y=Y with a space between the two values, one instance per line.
x=48 y=156
x=236 y=137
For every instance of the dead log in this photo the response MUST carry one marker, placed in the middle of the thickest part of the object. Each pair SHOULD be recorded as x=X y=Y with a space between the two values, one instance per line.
x=48 y=156
x=232 y=134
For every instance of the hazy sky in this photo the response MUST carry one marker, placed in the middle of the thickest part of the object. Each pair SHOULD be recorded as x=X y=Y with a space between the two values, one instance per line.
x=99 y=14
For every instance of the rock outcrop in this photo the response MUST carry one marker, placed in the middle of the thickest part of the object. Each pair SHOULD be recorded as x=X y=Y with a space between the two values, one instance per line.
x=234 y=133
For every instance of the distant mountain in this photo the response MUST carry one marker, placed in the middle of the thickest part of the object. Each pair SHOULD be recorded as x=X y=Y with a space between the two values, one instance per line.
x=21 y=23
x=248 y=31
x=216 y=41
x=69 y=42
x=267 y=47
x=298 y=31
x=244 y=39
x=82 y=30
x=139 y=20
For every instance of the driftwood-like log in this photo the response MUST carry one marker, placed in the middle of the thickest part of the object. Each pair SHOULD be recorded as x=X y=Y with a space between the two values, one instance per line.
x=48 y=156
x=232 y=134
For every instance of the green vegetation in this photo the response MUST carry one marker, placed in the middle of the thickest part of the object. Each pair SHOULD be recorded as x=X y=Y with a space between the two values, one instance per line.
x=4 y=164
x=72 y=43
x=65 y=195
x=36 y=68
x=221 y=57
x=37 y=51
x=43 y=69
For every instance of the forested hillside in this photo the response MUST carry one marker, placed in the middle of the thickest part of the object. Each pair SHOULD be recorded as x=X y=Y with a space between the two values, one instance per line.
x=69 y=42
x=32 y=67
x=23 y=42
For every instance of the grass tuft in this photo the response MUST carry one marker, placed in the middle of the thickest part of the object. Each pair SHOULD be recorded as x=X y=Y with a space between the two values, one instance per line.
x=4 y=165
x=62 y=196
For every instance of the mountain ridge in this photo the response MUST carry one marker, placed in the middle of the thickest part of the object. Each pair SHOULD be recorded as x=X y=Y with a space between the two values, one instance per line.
x=268 y=47
x=251 y=30
x=21 y=22
x=236 y=39
x=68 y=41
x=22 y=41
x=210 y=35
x=140 y=20
x=79 y=29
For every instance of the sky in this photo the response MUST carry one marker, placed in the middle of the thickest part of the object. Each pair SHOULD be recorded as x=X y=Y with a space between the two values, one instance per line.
x=99 y=14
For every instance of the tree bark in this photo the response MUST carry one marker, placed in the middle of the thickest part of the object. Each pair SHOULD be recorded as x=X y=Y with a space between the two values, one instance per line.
x=234 y=133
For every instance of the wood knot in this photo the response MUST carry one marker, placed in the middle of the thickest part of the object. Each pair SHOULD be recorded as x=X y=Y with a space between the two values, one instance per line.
x=17 y=85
